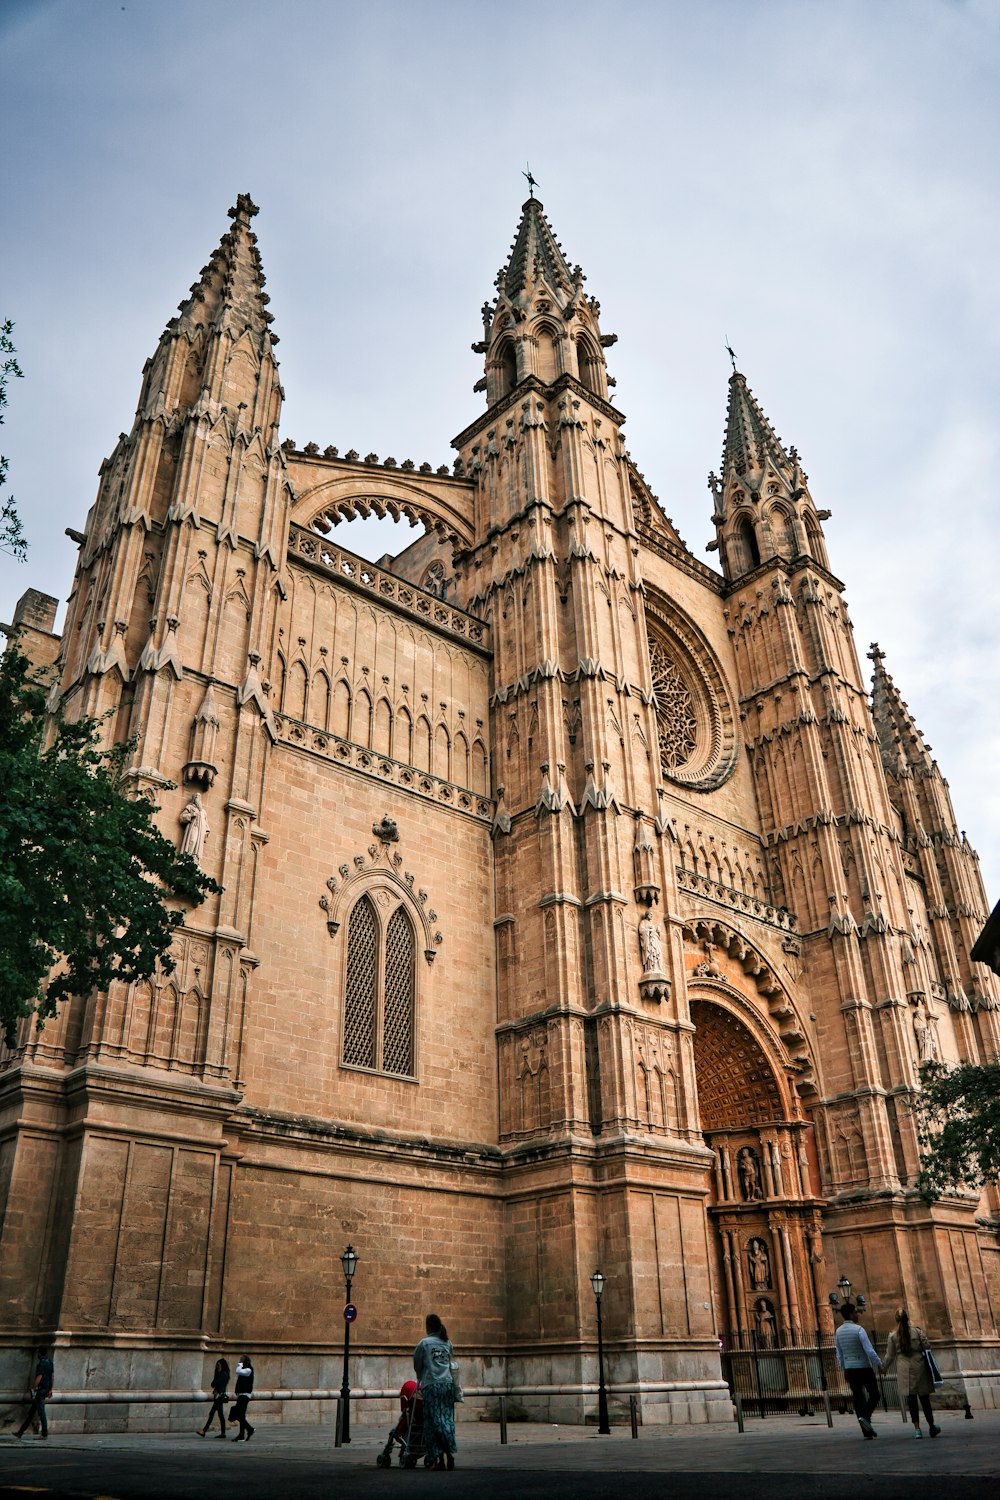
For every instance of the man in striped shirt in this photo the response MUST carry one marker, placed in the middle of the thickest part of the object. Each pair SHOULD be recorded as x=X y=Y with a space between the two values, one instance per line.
x=858 y=1360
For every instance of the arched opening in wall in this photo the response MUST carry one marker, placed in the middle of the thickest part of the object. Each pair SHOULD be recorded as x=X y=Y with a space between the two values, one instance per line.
x=380 y=986
x=545 y=360
x=507 y=361
x=783 y=532
x=746 y=541
x=588 y=366
x=762 y=1211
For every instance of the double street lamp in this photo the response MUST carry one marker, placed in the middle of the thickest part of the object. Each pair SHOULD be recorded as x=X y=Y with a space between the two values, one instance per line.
x=349 y=1261
x=844 y=1288
x=603 y=1425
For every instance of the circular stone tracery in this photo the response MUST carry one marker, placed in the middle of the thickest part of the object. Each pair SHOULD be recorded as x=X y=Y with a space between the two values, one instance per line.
x=695 y=711
x=676 y=725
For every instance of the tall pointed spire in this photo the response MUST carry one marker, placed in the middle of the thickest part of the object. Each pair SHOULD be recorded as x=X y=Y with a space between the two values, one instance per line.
x=763 y=509
x=901 y=743
x=537 y=256
x=750 y=442
x=229 y=291
x=541 y=323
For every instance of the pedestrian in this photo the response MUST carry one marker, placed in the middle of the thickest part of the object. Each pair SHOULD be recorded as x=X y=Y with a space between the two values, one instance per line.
x=220 y=1395
x=244 y=1390
x=858 y=1360
x=41 y=1390
x=909 y=1347
x=433 y=1361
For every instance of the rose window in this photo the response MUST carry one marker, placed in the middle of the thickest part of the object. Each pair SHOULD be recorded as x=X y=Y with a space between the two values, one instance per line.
x=676 y=724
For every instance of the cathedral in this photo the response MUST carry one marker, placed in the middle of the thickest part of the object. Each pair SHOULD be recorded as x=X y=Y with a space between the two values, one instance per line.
x=583 y=905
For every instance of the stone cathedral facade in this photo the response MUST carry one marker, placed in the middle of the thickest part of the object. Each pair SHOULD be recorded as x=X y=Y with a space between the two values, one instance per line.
x=583 y=905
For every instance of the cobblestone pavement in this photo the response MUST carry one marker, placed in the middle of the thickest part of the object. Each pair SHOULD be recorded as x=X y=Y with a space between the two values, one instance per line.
x=778 y=1458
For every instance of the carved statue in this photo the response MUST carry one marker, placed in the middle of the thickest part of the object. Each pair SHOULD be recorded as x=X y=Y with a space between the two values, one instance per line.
x=649 y=946
x=749 y=1173
x=815 y=1239
x=760 y=1264
x=926 y=1033
x=766 y=1325
x=196 y=828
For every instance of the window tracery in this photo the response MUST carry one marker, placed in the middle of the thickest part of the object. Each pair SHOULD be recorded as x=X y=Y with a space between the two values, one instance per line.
x=379 y=991
x=676 y=722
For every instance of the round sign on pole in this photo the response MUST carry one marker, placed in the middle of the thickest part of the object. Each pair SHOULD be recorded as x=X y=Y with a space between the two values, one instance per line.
x=350 y=1313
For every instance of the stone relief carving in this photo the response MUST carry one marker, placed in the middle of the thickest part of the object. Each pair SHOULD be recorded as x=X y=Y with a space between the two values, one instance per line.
x=194 y=821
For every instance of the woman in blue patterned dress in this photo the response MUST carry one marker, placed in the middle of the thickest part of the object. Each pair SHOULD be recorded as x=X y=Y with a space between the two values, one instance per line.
x=432 y=1360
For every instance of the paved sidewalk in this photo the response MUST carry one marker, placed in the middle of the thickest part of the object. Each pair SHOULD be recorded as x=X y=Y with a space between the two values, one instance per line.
x=783 y=1458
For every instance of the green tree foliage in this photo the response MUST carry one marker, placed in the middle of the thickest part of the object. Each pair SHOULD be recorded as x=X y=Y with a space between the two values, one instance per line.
x=12 y=538
x=85 y=874
x=958 y=1127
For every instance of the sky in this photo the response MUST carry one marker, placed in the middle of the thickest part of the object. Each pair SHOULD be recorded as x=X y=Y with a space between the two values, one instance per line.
x=812 y=180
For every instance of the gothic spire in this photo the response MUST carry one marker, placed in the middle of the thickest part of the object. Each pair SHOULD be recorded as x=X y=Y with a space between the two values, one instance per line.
x=763 y=509
x=230 y=292
x=541 y=323
x=536 y=256
x=750 y=441
x=901 y=743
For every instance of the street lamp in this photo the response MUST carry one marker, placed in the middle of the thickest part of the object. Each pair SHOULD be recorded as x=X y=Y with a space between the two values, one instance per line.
x=603 y=1425
x=844 y=1287
x=349 y=1261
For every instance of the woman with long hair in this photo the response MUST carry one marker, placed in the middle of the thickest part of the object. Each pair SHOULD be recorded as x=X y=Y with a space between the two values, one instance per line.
x=220 y=1395
x=907 y=1347
x=432 y=1360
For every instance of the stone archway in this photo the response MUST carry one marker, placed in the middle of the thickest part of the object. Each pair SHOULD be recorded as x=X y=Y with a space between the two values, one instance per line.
x=763 y=1207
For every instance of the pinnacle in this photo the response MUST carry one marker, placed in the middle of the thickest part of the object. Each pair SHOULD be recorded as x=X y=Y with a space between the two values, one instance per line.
x=536 y=254
x=900 y=741
x=750 y=440
x=230 y=288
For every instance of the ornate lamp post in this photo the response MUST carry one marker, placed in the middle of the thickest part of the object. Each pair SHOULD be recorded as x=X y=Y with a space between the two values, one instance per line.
x=603 y=1425
x=349 y=1261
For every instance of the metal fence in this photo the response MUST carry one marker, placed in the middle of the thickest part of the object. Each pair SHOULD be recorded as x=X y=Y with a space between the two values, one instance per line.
x=773 y=1378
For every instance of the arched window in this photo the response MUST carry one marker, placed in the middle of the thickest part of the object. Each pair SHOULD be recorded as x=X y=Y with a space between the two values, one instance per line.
x=508 y=368
x=587 y=365
x=747 y=538
x=380 y=989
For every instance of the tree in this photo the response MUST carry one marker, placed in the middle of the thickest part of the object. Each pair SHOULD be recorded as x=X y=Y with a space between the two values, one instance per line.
x=85 y=874
x=12 y=538
x=958 y=1127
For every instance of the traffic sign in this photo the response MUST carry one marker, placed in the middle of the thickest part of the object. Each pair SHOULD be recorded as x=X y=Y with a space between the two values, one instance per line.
x=350 y=1313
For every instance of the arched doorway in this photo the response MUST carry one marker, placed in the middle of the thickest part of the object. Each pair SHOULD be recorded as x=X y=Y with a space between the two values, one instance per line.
x=763 y=1206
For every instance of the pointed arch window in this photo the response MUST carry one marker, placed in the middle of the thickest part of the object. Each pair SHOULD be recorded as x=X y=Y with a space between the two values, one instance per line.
x=380 y=986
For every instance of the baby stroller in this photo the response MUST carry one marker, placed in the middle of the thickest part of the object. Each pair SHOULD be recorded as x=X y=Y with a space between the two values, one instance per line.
x=408 y=1431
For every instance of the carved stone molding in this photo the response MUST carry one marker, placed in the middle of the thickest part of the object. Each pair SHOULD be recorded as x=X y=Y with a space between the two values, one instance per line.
x=380 y=864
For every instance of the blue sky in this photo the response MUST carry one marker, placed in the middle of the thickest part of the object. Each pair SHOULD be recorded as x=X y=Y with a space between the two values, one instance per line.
x=816 y=181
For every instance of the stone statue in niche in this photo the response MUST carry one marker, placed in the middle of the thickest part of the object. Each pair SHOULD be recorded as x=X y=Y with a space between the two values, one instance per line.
x=194 y=821
x=748 y=1168
x=926 y=1033
x=760 y=1264
x=763 y=1316
x=649 y=946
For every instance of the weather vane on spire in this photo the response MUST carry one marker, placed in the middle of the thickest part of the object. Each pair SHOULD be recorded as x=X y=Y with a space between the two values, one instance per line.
x=732 y=356
x=532 y=184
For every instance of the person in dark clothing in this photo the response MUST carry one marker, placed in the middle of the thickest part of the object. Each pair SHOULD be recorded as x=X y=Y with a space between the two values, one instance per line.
x=40 y=1393
x=244 y=1389
x=220 y=1395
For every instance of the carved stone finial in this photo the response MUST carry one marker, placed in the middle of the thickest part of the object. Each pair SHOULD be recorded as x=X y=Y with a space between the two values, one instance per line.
x=386 y=831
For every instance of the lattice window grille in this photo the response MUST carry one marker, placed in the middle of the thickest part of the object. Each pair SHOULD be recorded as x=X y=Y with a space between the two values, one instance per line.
x=361 y=992
x=676 y=724
x=397 y=1010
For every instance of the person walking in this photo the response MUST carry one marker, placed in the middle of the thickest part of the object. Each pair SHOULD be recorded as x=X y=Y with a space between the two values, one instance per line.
x=858 y=1360
x=908 y=1347
x=41 y=1390
x=244 y=1390
x=220 y=1395
x=432 y=1361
